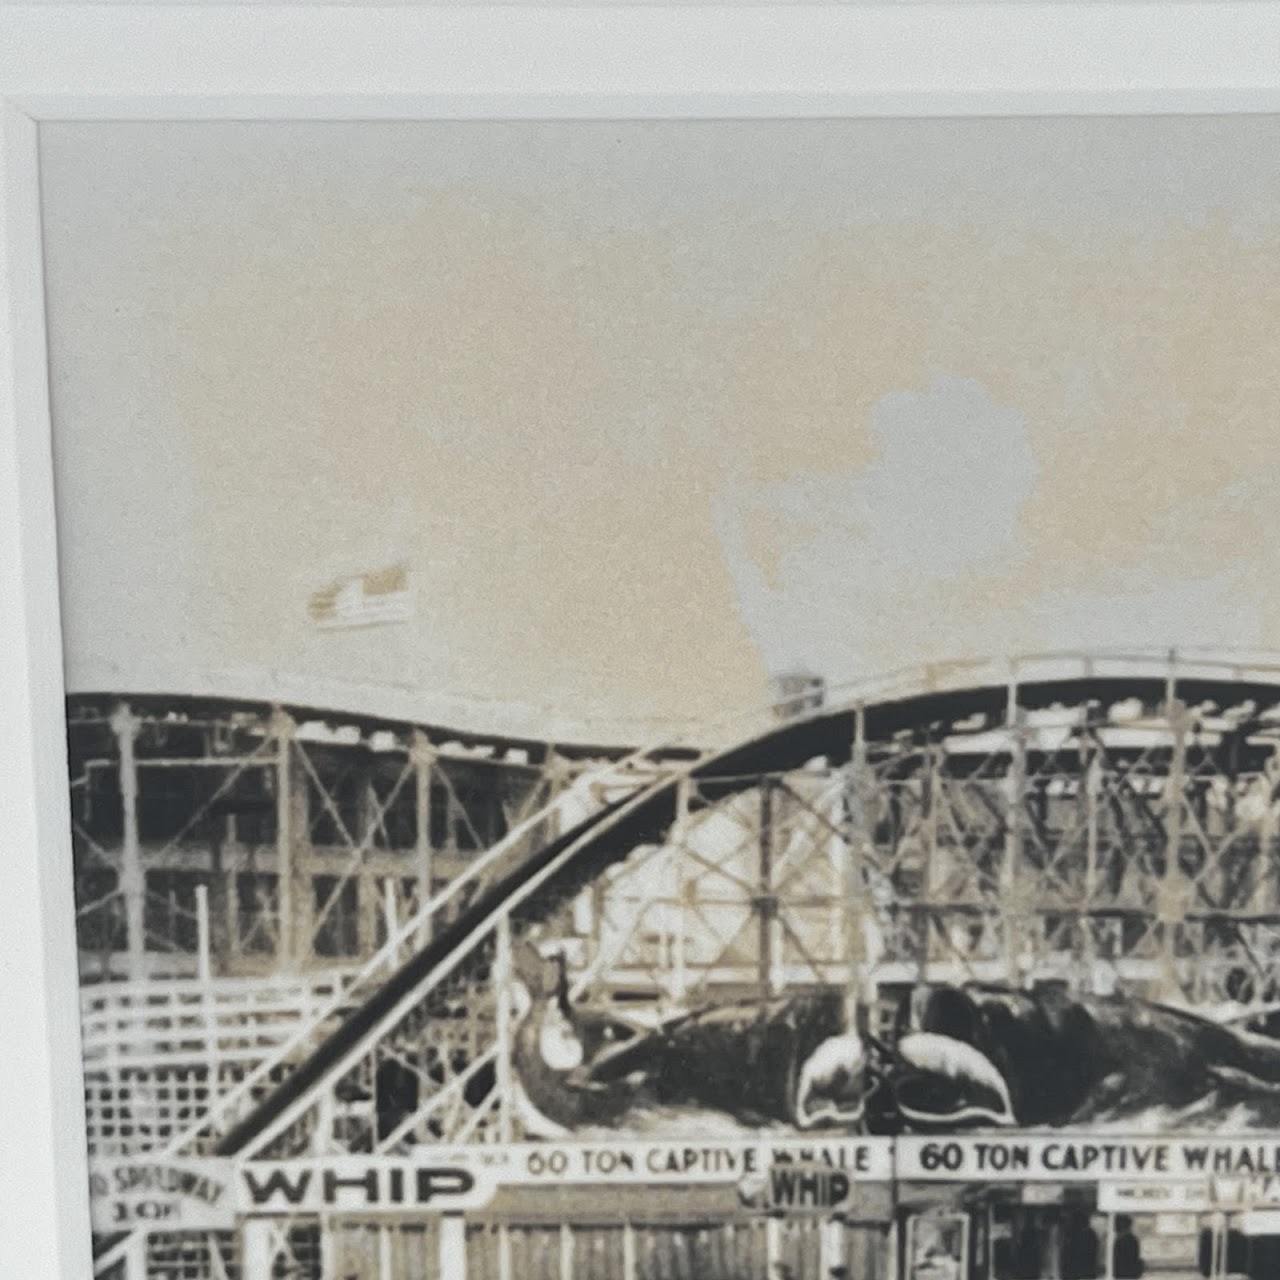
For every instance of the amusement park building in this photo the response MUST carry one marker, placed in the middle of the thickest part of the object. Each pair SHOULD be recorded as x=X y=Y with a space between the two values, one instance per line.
x=286 y=912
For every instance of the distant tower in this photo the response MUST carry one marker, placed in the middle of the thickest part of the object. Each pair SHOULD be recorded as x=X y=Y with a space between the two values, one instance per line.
x=798 y=692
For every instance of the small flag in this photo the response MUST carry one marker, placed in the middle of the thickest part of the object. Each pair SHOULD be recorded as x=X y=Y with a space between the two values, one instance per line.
x=363 y=600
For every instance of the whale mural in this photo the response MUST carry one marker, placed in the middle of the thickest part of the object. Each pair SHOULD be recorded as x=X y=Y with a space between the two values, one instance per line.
x=962 y=1057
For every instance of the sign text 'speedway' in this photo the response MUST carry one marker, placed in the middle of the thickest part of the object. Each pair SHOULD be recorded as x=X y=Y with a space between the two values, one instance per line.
x=161 y=1194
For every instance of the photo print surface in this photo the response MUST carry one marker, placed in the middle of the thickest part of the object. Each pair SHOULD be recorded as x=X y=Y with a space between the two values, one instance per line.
x=673 y=698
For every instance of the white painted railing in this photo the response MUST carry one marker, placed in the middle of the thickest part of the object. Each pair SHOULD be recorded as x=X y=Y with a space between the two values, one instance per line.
x=195 y=1021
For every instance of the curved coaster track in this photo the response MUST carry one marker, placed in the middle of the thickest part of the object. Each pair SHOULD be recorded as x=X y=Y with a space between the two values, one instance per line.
x=1091 y=825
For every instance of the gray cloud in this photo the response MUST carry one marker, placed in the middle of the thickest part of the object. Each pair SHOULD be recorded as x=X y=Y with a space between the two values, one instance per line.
x=816 y=559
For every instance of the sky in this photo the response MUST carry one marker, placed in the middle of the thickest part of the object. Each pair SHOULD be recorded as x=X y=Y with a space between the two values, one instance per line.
x=653 y=412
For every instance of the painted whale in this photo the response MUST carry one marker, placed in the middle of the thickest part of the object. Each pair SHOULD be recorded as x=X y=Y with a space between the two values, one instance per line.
x=963 y=1057
x=746 y=1059
x=1073 y=1060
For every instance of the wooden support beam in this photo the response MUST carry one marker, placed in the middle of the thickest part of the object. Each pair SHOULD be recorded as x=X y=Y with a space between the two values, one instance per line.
x=766 y=904
x=860 y=993
x=1172 y=895
x=423 y=756
x=133 y=883
x=453 y=1247
x=503 y=975
x=1015 y=920
x=293 y=846
x=368 y=898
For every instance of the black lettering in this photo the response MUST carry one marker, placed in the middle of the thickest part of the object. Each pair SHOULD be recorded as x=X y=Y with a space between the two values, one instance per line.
x=443 y=1182
x=368 y=1181
x=278 y=1181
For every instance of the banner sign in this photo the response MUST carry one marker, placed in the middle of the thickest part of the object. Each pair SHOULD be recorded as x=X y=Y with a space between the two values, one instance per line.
x=1133 y=1175
x=1089 y=1158
x=469 y=1177
x=800 y=1189
x=211 y=1193
x=363 y=1184
x=861 y=1159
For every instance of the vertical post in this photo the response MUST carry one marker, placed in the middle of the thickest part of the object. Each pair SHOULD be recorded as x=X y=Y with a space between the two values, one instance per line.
x=390 y=914
x=219 y=919
x=932 y=859
x=386 y=1263
x=504 y=1251
x=628 y=1250
x=452 y=1245
x=204 y=971
x=557 y=777
x=321 y=1139
x=566 y=1251
x=502 y=979
x=772 y=1242
x=328 y=1248
x=235 y=946
x=893 y=1250
x=258 y=1248
x=204 y=968
x=292 y=840
x=1171 y=904
x=831 y=1245
x=423 y=763
x=765 y=904
x=282 y=728
x=368 y=904
x=860 y=991
x=1262 y=890
x=1091 y=786
x=679 y=834
x=133 y=884
x=1012 y=907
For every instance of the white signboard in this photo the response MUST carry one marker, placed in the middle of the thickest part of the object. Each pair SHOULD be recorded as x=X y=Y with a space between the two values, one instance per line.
x=210 y=1194
x=1133 y=1175
x=1209 y=1195
x=1083 y=1159
x=468 y=1177
x=162 y=1194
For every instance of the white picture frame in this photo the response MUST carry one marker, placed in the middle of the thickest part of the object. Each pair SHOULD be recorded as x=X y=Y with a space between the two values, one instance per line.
x=357 y=61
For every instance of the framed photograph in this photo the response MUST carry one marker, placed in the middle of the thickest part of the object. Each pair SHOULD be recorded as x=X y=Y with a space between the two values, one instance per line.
x=639 y=642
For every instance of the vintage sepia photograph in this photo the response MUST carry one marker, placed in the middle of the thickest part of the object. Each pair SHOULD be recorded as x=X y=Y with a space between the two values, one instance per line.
x=673 y=699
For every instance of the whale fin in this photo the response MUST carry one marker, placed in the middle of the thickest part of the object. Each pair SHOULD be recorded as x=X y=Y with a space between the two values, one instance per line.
x=952 y=1059
x=831 y=1087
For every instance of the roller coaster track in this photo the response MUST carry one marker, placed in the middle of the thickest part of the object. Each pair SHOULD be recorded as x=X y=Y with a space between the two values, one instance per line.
x=513 y=886
x=530 y=885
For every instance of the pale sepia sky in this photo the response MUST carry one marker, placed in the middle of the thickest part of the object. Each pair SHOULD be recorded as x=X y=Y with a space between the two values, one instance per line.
x=652 y=411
